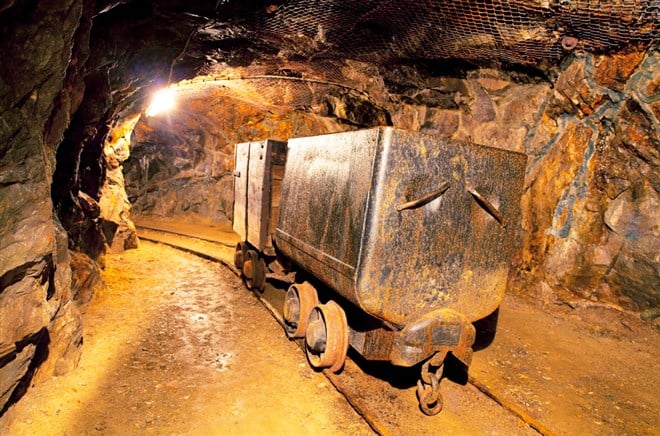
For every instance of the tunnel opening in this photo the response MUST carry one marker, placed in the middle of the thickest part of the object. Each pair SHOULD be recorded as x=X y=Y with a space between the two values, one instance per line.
x=573 y=85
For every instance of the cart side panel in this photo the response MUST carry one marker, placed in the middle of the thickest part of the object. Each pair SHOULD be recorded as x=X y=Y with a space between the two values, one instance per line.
x=278 y=159
x=449 y=252
x=259 y=167
x=324 y=197
x=258 y=210
x=241 y=159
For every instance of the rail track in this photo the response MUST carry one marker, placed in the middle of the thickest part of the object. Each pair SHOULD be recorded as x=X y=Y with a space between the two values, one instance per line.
x=385 y=399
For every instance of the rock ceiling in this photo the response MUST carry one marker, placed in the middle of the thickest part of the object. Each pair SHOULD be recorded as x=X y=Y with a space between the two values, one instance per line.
x=205 y=37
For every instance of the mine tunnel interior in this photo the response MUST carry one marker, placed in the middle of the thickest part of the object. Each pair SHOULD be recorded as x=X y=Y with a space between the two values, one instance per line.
x=571 y=84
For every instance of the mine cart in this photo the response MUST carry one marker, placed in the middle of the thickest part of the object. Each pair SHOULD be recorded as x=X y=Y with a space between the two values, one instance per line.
x=406 y=237
x=258 y=171
x=415 y=233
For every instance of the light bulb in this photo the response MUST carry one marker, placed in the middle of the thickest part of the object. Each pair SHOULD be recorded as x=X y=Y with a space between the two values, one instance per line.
x=162 y=101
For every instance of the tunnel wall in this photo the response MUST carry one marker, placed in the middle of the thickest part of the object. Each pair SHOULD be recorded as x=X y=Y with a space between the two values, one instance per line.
x=67 y=83
x=181 y=163
x=38 y=318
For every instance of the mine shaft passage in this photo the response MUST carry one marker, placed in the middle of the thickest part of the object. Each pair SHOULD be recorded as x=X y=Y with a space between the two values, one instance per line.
x=451 y=207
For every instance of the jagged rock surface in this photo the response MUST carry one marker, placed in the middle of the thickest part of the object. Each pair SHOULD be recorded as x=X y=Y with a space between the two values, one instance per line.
x=183 y=164
x=35 y=275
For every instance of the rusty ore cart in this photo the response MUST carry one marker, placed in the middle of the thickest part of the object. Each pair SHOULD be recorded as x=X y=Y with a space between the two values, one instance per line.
x=413 y=235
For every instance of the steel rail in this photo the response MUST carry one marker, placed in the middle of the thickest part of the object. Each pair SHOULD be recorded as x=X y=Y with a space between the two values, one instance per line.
x=215 y=241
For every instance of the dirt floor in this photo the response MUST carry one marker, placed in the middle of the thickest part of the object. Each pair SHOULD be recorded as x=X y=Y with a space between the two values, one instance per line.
x=176 y=345
x=585 y=369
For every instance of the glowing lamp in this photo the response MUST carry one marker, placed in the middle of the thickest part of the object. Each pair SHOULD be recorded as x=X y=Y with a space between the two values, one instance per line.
x=162 y=101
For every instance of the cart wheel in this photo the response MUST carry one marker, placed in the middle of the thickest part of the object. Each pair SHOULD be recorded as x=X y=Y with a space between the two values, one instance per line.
x=326 y=339
x=254 y=271
x=298 y=304
x=239 y=255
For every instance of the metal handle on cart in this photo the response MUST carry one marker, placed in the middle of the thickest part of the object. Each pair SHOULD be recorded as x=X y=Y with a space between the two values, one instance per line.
x=487 y=205
x=414 y=204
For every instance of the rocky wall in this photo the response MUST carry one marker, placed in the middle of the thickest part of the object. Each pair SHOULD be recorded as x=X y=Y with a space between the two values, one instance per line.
x=114 y=208
x=39 y=323
x=54 y=107
x=129 y=48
